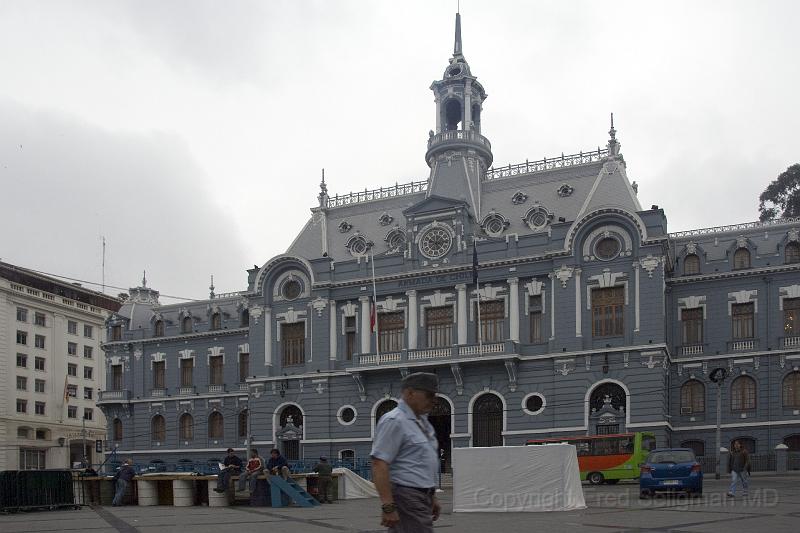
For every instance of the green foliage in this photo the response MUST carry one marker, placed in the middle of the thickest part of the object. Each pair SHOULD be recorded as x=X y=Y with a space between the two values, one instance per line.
x=781 y=198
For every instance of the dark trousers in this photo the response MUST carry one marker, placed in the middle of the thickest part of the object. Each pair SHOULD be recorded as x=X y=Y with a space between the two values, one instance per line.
x=224 y=479
x=122 y=486
x=324 y=488
x=415 y=509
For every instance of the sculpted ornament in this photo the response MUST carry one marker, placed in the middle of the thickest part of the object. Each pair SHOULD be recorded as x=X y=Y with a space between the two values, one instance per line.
x=563 y=274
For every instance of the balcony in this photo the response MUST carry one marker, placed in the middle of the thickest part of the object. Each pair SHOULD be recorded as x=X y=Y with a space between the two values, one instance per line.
x=791 y=342
x=437 y=354
x=114 y=396
x=691 y=349
x=216 y=388
x=459 y=139
x=158 y=393
x=743 y=345
x=186 y=391
x=243 y=387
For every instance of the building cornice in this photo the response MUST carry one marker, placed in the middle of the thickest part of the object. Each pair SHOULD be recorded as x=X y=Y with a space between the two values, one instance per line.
x=793 y=267
x=184 y=336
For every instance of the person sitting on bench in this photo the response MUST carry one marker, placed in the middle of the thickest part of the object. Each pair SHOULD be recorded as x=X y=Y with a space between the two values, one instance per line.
x=254 y=468
x=232 y=465
x=277 y=464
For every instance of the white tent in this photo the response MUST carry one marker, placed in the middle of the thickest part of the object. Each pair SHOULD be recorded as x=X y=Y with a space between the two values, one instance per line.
x=517 y=479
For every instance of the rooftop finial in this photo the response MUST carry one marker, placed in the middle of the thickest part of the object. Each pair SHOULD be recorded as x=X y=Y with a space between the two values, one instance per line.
x=612 y=132
x=144 y=278
x=613 y=144
x=323 y=191
x=457 y=51
x=211 y=288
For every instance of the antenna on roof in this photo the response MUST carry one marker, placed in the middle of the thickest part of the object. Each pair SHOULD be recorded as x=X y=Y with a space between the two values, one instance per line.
x=144 y=278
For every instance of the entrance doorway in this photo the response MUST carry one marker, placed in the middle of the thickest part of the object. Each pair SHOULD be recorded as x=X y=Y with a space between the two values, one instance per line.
x=487 y=421
x=439 y=418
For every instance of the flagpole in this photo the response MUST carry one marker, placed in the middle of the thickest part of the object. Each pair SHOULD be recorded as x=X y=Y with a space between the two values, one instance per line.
x=375 y=303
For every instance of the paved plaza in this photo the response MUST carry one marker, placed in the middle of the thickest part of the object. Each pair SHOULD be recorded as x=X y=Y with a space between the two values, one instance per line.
x=773 y=506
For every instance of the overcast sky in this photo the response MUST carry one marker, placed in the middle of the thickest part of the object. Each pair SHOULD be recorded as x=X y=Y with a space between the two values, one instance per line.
x=191 y=133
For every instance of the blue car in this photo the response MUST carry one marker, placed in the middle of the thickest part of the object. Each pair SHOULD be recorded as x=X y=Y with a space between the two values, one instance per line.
x=670 y=470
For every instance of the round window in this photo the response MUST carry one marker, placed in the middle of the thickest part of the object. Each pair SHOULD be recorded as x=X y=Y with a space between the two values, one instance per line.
x=494 y=225
x=455 y=71
x=396 y=240
x=435 y=243
x=292 y=289
x=533 y=404
x=607 y=248
x=537 y=218
x=346 y=415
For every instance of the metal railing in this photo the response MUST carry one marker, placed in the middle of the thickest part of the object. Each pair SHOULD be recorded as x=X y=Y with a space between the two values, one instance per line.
x=400 y=189
x=216 y=388
x=529 y=167
x=107 y=395
x=794 y=461
x=158 y=393
x=707 y=463
x=735 y=227
x=763 y=462
x=692 y=349
x=743 y=345
x=496 y=347
x=431 y=354
x=791 y=342
x=185 y=390
x=459 y=135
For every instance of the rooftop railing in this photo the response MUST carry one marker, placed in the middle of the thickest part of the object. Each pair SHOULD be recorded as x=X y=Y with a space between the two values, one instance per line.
x=400 y=189
x=459 y=135
x=530 y=167
x=735 y=227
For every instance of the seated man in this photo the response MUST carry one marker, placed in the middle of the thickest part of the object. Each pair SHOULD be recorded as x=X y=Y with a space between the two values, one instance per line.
x=233 y=465
x=255 y=466
x=277 y=464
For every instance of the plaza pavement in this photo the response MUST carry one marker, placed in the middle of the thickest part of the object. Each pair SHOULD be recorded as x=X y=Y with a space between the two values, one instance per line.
x=773 y=507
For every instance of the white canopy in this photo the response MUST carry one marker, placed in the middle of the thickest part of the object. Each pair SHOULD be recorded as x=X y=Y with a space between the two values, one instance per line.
x=517 y=479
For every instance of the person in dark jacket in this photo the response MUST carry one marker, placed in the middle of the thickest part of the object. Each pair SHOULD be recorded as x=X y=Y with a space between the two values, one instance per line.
x=122 y=478
x=325 y=479
x=233 y=465
x=277 y=464
x=740 y=469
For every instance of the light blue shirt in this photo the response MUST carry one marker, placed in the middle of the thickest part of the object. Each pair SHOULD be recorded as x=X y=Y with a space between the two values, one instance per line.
x=409 y=445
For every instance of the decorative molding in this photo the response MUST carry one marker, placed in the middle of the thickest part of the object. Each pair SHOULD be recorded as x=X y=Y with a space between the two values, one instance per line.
x=650 y=263
x=438 y=298
x=519 y=198
x=345 y=226
x=319 y=304
x=792 y=291
x=511 y=369
x=743 y=297
x=186 y=354
x=390 y=305
x=563 y=274
x=291 y=316
x=385 y=219
x=565 y=190
x=607 y=278
x=458 y=377
x=691 y=248
x=564 y=366
x=793 y=235
x=359 y=380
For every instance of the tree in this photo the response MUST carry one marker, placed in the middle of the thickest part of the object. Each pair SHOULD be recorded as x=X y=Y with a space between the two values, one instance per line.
x=781 y=198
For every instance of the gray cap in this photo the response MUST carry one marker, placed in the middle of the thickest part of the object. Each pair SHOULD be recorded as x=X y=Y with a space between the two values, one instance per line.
x=421 y=381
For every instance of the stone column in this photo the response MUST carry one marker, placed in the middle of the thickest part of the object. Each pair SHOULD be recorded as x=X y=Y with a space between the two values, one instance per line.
x=636 y=292
x=462 y=313
x=334 y=332
x=513 y=312
x=552 y=306
x=268 y=336
x=413 y=328
x=467 y=105
x=366 y=333
x=724 y=459
x=578 y=310
x=438 y=113
x=781 y=458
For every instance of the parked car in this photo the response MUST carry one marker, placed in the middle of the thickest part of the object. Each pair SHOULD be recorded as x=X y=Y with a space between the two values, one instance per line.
x=670 y=470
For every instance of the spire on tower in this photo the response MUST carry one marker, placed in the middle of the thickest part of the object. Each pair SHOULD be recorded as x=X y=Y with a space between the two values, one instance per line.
x=457 y=51
x=211 y=288
x=323 y=191
x=613 y=143
x=144 y=278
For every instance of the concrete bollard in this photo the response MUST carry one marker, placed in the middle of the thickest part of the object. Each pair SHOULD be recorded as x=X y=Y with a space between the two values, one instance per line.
x=781 y=458
x=148 y=492
x=182 y=492
x=724 y=460
x=217 y=499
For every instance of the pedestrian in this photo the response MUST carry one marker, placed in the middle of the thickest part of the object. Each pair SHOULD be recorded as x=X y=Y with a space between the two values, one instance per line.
x=254 y=468
x=324 y=479
x=122 y=478
x=405 y=459
x=740 y=469
x=277 y=464
x=232 y=465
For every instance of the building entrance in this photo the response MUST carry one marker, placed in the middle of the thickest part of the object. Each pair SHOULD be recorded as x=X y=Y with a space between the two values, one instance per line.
x=440 y=419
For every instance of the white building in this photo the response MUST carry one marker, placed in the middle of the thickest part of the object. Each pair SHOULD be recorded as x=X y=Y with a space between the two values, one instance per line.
x=51 y=370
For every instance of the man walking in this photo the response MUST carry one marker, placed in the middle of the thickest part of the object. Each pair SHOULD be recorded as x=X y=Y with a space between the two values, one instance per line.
x=253 y=469
x=324 y=479
x=740 y=469
x=405 y=459
x=232 y=465
x=122 y=478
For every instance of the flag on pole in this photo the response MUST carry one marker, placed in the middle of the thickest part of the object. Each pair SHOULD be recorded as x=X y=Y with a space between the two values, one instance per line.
x=66 y=390
x=372 y=316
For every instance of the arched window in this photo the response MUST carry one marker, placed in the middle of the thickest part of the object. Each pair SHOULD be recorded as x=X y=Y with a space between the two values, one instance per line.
x=186 y=324
x=158 y=429
x=747 y=443
x=242 y=424
x=741 y=259
x=216 y=321
x=487 y=421
x=697 y=446
x=216 y=426
x=186 y=427
x=791 y=390
x=691 y=265
x=291 y=411
x=383 y=408
x=348 y=457
x=743 y=394
x=116 y=430
x=792 y=253
x=452 y=114
x=793 y=442
x=159 y=328
x=693 y=397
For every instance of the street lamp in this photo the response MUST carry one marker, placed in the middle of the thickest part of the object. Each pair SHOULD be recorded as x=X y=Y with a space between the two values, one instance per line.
x=718 y=376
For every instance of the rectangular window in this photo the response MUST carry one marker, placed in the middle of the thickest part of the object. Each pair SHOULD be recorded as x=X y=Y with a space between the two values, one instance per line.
x=72 y=411
x=87 y=331
x=492 y=320
x=391 y=330
x=607 y=311
x=39 y=341
x=88 y=414
x=39 y=385
x=88 y=393
x=158 y=375
x=743 y=316
x=791 y=317
x=215 y=370
x=72 y=327
x=439 y=326
x=22 y=383
x=22 y=314
x=88 y=372
x=535 y=312
x=88 y=352
x=39 y=319
x=293 y=338
x=187 y=372
x=349 y=337
x=244 y=366
x=39 y=408
x=31 y=459
x=22 y=360
x=41 y=434
x=116 y=377
x=22 y=337
x=72 y=370
x=72 y=348
x=72 y=391
x=38 y=363
x=692 y=321
x=22 y=406
x=116 y=333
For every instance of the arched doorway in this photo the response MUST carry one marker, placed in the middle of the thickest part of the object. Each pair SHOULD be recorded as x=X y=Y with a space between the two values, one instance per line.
x=383 y=408
x=290 y=432
x=607 y=409
x=440 y=419
x=487 y=421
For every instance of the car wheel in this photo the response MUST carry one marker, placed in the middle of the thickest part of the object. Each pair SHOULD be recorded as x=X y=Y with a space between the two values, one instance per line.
x=595 y=478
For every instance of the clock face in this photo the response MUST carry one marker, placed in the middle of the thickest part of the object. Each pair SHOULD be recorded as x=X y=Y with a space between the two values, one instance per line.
x=435 y=243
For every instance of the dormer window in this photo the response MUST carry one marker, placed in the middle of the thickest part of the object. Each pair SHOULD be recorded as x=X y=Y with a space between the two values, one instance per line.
x=741 y=259
x=792 y=253
x=116 y=332
x=159 y=328
x=186 y=325
x=216 y=321
x=691 y=265
x=494 y=224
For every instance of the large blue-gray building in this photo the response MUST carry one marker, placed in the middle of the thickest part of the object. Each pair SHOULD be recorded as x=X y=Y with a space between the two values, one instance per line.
x=593 y=318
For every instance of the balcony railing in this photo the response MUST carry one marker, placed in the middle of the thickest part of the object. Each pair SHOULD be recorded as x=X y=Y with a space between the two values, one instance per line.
x=735 y=227
x=158 y=393
x=243 y=387
x=743 y=345
x=183 y=391
x=529 y=167
x=791 y=342
x=433 y=354
x=691 y=349
x=216 y=388
x=111 y=395
x=459 y=135
x=399 y=189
